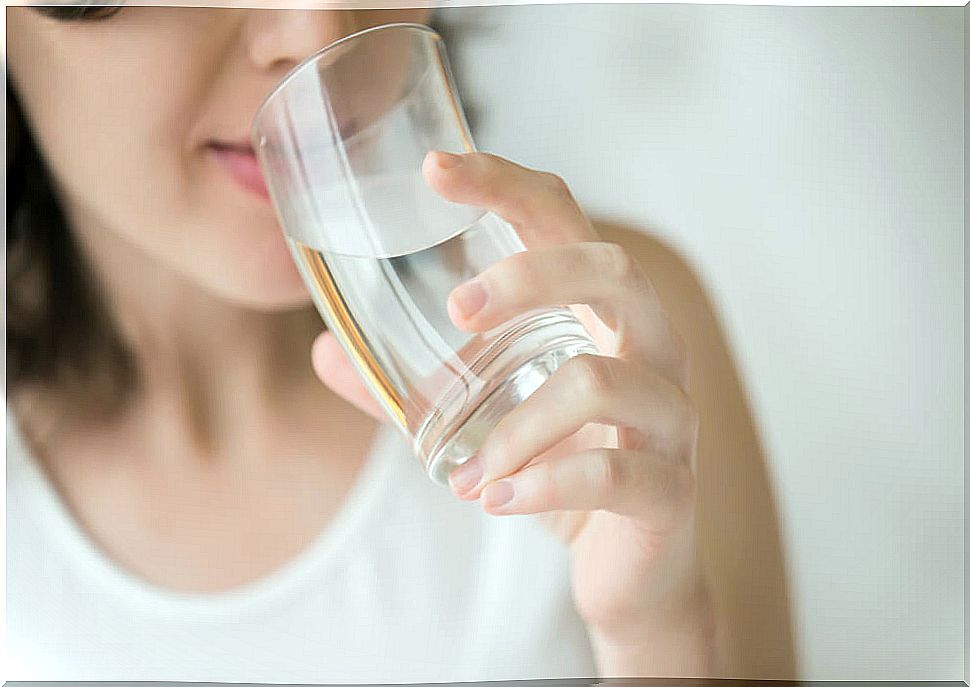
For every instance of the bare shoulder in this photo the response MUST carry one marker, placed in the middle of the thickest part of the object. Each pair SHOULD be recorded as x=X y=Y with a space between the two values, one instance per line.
x=738 y=521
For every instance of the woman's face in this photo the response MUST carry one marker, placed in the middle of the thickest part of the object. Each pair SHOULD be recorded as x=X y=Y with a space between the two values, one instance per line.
x=139 y=117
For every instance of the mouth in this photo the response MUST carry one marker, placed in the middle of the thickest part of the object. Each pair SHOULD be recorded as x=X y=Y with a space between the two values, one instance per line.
x=238 y=160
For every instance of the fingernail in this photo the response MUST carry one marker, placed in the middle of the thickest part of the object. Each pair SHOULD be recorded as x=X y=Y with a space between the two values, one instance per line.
x=469 y=298
x=498 y=494
x=466 y=475
x=448 y=160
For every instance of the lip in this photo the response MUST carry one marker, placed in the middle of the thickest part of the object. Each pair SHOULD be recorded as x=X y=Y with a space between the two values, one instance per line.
x=239 y=161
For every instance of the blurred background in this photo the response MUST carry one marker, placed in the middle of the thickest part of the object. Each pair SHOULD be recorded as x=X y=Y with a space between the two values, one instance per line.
x=807 y=162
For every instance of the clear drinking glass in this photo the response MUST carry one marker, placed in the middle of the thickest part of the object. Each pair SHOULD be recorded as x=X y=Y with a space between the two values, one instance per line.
x=340 y=142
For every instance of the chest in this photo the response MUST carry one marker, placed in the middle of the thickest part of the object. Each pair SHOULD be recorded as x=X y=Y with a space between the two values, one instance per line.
x=409 y=585
x=198 y=526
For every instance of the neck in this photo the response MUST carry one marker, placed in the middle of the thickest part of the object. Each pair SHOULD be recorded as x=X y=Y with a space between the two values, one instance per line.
x=213 y=373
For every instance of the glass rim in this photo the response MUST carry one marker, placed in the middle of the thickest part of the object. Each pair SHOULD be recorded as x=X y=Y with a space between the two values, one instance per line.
x=315 y=57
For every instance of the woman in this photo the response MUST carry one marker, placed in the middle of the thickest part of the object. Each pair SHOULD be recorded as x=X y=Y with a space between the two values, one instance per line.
x=189 y=502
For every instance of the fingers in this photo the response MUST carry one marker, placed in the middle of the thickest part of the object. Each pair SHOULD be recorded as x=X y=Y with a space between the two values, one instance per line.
x=653 y=490
x=641 y=391
x=586 y=389
x=576 y=267
x=537 y=204
x=600 y=275
x=336 y=371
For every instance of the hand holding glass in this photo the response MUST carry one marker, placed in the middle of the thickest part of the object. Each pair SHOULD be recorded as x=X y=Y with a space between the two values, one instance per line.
x=341 y=142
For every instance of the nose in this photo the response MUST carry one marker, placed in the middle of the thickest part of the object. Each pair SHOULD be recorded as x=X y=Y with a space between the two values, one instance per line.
x=277 y=40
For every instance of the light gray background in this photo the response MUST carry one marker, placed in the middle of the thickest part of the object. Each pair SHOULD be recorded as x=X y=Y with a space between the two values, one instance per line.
x=809 y=162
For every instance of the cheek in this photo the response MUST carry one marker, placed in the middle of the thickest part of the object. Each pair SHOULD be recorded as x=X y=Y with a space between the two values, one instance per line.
x=129 y=161
x=174 y=205
x=123 y=153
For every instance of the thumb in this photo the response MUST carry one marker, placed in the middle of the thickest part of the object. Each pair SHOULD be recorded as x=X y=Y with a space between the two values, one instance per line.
x=334 y=369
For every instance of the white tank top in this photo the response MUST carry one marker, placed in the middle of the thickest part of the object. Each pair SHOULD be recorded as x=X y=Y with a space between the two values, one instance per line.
x=406 y=584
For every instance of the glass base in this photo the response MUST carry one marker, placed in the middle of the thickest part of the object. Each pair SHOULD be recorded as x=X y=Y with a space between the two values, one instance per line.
x=520 y=361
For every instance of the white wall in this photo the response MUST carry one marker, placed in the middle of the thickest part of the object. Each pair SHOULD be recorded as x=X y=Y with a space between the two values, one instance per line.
x=809 y=162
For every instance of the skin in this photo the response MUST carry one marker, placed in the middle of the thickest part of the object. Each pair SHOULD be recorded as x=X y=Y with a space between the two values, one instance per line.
x=228 y=424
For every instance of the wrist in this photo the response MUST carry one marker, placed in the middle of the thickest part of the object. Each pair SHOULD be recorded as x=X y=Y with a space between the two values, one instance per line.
x=676 y=641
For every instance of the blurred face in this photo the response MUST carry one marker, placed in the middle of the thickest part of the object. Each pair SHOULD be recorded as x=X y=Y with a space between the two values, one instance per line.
x=144 y=120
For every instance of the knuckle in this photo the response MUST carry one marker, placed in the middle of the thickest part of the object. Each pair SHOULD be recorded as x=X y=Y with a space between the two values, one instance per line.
x=486 y=158
x=544 y=477
x=605 y=474
x=487 y=164
x=617 y=262
x=689 y=414
x=498 y=447
x=509 y=441
x=557 y=185
x=690 y=417
x=516 y=274
x=667 y=495
x=596 y=375
x=490 y=179
x=681 y=489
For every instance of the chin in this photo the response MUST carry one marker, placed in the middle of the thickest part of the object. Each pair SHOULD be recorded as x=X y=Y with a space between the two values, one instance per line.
x=268 y=279
x=268 y=290
x=270 y=299
x=252 y=268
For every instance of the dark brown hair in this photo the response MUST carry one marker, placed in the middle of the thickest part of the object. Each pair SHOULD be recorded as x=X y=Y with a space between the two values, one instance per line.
x=59 y=334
